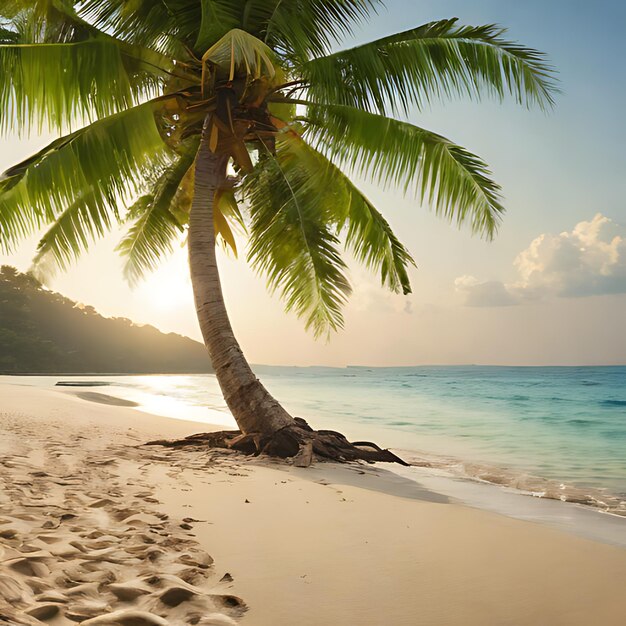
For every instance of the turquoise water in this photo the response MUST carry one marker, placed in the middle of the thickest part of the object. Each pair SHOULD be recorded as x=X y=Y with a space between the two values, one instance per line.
x=567 y=424
x=564 y=423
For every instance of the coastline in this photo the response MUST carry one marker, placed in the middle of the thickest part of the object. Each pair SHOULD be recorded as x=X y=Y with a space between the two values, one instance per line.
x=514 y=482
x=330 y=544
x=443 y=459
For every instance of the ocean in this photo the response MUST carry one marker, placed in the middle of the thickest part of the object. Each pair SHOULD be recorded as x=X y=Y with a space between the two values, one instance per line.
x=557 y=432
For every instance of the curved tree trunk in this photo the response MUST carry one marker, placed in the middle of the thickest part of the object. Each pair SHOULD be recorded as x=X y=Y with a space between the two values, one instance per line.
x=264 y=424
x=252 y=406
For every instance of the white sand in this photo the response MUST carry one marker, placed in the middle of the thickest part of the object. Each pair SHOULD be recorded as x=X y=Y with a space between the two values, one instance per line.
x=329 y=545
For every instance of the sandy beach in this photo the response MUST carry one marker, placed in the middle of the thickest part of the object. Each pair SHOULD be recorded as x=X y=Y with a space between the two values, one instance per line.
x=97 y=529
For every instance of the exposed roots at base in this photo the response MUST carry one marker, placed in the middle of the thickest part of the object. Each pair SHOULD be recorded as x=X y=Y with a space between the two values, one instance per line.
x=298 y=441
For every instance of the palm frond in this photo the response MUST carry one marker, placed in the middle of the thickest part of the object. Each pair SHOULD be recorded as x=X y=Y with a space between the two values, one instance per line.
x=439 y=59
x=157 y=219
x=218 y=17
x=59 y=85
x=223 y=230
x=168 y=26
x=45 y=21
x=368 y=234
x=455 y=182
x=306 y=28
x=293 y=243
x=229 y=207
x=113 y=157
x=239 y=50
x=70 y=234
x=154 y=223
x=228 y=219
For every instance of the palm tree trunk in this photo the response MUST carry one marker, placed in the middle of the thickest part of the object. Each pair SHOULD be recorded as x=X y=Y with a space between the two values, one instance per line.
x=265 y=425
x=252 y=406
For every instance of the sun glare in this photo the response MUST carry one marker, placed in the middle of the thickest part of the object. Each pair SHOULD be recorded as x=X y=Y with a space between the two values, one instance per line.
x=168 y=288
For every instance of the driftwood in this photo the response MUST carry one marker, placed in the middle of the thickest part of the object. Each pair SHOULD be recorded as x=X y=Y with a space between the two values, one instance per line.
x=299 y=442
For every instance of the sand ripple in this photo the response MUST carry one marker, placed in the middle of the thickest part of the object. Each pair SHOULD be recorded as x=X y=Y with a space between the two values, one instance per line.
x=82 y=539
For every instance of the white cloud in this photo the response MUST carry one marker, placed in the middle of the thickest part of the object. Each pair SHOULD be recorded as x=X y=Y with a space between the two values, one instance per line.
x=489 y=293
x=589 y=260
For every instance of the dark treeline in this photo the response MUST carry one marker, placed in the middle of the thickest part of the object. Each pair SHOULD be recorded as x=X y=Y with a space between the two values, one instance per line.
x=44 y=332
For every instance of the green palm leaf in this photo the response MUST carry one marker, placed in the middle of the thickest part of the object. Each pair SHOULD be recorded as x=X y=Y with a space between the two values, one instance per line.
x=292 y=241
x=218 y=18
x=239 y=51
x=60 y=85
x=70 y=234
x=166 y=26
x=154 y=225
x=306 y=28
x=439 y=59
x=374 y=244
x=59 y=70
x=456 y=183
x=113 y=156
x=45 y=20
x=368 y=234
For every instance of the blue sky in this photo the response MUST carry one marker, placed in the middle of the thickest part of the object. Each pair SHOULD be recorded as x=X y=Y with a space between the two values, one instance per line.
x=563 y=302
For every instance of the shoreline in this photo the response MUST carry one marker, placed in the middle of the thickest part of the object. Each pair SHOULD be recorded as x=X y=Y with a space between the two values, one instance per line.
x=440 y=471
x=330 y=544
x=519 y=483
x=453 y=467
x=578 y=516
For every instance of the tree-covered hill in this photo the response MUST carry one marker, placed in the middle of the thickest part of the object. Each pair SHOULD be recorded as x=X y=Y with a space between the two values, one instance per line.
x=44 y=332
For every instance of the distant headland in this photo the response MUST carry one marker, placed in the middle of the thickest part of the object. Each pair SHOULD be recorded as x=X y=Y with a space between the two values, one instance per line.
x=43 y=332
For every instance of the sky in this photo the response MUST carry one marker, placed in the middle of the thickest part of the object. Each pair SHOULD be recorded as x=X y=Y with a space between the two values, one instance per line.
x=549 y=290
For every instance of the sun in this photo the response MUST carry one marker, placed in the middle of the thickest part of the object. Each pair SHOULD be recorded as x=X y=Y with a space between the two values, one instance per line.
x=169 y=287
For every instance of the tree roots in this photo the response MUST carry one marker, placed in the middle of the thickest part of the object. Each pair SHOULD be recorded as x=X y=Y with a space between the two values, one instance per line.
x=298 y=441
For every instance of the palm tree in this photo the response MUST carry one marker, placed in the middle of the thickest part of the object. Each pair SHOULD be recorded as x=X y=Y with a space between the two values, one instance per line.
x=200 y=115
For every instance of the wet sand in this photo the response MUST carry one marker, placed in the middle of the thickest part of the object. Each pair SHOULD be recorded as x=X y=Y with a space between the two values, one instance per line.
x=103 y=398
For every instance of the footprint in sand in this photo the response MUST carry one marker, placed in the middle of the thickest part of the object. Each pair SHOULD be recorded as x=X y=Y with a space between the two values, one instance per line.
x=81 y=544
